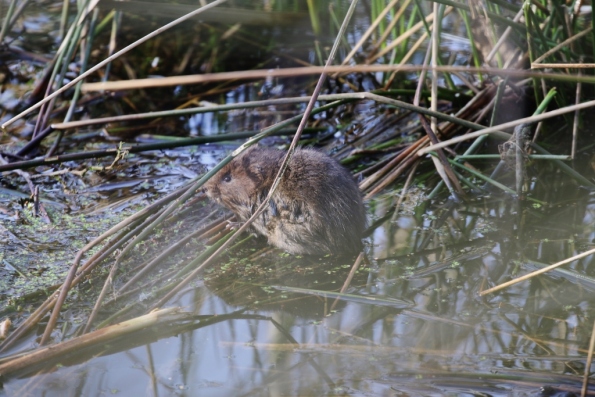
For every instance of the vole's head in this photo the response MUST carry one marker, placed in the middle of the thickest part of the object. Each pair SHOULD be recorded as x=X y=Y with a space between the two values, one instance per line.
x=237 y=184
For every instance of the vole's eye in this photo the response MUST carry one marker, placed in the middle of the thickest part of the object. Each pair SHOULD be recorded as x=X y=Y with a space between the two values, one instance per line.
x=227 y=177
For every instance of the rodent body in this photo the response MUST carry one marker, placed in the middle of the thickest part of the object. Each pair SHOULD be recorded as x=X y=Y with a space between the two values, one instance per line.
x=316 y=209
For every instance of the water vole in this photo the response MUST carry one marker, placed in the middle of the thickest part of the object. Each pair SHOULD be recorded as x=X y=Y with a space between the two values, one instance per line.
x=316 y=209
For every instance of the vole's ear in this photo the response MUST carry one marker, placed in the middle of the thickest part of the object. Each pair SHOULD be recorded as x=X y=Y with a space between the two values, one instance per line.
x=257 y=170
x=253 y=169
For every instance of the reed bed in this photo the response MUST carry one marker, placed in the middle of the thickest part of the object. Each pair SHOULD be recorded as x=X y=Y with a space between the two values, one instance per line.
x=435 y=113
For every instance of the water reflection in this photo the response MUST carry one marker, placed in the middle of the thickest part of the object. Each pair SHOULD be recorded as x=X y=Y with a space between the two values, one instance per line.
x=411 y=322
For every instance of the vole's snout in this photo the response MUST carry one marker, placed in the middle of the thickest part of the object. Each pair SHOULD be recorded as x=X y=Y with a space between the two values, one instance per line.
x=212 y=192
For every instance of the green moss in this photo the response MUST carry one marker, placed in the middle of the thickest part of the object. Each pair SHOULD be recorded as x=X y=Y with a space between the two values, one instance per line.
x=50 y=248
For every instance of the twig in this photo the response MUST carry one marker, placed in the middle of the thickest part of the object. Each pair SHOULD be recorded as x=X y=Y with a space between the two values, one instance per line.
x=94 y=338
x=588 y=363
x=404 y=191
x=17 y=165
x=537 y=63
x=369 y=31
x=563 y=66
x=531 y=119
x=404 y=36
x=394 y=20
x=352 y=272
x=504 y=37
x=315 y=70
x=198 y=234
x=576 y=118
x=537 y=272
x=441 y=163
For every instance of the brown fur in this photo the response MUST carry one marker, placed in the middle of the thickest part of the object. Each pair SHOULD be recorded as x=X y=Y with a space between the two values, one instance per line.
x=316 y=209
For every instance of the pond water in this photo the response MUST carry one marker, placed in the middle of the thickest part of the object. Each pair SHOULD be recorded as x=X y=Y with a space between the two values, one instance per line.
x=411 y=322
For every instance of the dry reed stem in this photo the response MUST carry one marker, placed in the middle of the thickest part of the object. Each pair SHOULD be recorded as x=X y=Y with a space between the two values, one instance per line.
x=187 y=111
x=576 y=118
x=91 y=339
x=504 y=36
x=405 y=156
x=372 y=179
x=536 y=273
x=382 y=39
x=108 y=283
x=394 y=174
x=404 y=190
x=565 y=43
x=405 y=36
x=313 y=70
x=354 y=267
x=500 y=127
x=414 y=48
x=110 y=59
x=563 y=66
x=435 y=49
x=440 y=162
x=369 y=31
x=588 y=363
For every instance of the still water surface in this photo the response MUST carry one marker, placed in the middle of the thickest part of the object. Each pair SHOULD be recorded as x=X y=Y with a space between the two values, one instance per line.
x=426 y=331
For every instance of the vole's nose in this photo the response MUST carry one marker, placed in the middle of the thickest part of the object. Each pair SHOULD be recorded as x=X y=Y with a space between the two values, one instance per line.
x=212 y=192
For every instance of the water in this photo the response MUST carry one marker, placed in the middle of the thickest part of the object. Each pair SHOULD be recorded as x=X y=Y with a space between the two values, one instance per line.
x=425 y=331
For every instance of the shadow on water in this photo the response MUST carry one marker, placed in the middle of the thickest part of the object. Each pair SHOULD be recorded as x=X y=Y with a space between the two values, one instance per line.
x=410 y=323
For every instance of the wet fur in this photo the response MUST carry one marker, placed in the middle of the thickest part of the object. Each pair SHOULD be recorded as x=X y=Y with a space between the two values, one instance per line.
x=316 y=209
